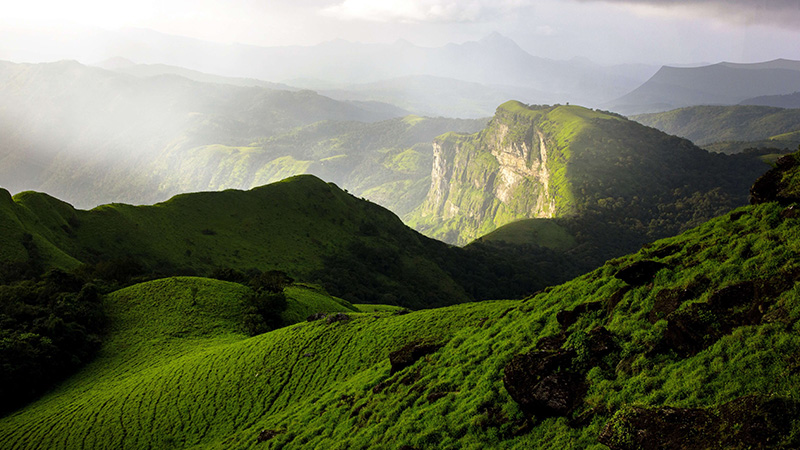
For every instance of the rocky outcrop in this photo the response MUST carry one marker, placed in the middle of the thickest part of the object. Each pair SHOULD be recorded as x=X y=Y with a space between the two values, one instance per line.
x=486 y=180
x=552 y=382
x=410 y=353
x=747 y=422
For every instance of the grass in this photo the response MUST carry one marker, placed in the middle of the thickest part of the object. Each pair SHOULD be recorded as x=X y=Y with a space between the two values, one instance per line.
x=304 y=300
x=545 y=233
x=168 y=380
x=266 y=228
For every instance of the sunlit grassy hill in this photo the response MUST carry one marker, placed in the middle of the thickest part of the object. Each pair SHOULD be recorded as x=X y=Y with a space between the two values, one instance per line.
x=308 y=228
x=697 y=334
x=704 y=125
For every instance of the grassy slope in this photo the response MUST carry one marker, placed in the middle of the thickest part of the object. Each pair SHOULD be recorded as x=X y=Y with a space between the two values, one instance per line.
x=43 y=221
x=708 y=124
x=304 y=300
x=205 y=386
x=543 y=232
x=368 y=159
x=265 y=228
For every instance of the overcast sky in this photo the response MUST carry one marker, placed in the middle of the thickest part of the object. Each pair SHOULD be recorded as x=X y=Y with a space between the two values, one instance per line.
x=606 y=31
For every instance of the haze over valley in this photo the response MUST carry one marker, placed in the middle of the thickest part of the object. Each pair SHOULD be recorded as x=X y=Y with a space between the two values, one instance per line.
x=417 y=224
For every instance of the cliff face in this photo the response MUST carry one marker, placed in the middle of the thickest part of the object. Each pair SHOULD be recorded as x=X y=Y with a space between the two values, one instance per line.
x=484 y=180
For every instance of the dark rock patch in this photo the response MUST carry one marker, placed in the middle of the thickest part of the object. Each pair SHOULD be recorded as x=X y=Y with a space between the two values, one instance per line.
x=410 y=353
x=338 y=317
x=663 y=252
x=543 y=384
x=266 y=435
x=690 y=330
x=616 y=297
x=551 y=343
x=791 y=212
x=669 y=300
x=600 y=344
x=316 y=316
x=433 y=396
x=694 y=328
x=640 y=272
x=567 y=318
x=748 y=422
x=734 y=216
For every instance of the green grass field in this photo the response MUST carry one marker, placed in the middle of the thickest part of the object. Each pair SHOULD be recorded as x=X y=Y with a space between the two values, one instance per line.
x=176 y=372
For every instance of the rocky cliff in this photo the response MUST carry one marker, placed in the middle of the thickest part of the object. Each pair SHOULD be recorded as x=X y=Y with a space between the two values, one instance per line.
x=513 y=169
x=568 y=161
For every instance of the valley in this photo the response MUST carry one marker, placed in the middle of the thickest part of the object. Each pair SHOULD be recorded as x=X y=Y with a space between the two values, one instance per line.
x=400 y=226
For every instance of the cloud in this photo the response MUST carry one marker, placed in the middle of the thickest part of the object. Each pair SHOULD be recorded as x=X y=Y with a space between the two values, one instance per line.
x=784 y=13
x=438 y=11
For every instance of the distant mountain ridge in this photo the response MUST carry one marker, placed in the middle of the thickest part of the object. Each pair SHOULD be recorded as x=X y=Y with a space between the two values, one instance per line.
x=493 y=60
x=708 y=124
x=781 y=101
x=76 y=131
x=717 y=84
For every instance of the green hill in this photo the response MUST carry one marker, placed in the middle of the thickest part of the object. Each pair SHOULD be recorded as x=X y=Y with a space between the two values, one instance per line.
x=145 y=133
x=696 y=334
x=573 y=162
x=705 y=125
x=310 y=229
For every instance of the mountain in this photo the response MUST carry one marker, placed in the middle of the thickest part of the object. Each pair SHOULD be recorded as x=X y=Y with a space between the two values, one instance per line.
x=708 y=124
x=569 y=161
x=359 y=250
x=493 y=60
x=123 y=65
x=694 y=335
x=436 y=96
x=77 y=132
x=388 y=162
x=717 y=84
x=780 y=101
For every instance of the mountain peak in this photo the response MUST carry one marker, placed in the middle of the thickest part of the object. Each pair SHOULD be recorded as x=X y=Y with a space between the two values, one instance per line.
x=495 y=38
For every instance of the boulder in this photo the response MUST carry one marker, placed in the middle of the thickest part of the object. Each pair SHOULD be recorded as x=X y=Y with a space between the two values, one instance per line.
x=410 y=353
x=640 y=272
x=543 y=384
x=751 y=422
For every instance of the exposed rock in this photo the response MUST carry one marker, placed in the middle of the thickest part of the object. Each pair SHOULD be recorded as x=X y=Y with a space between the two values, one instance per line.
x=266 y=435
x=600 y=344
x=748 y=422
x=640 y=272
x=543 y=384
x=409 y=354
x=338 y=317
x=663 y=252
x=699 y=325
x=791 y=212
x=316 y=316
x=669 y=300
x=551 y=343
x=567 y=318
x=616 y=297
x=662 y=428
x=688 y=330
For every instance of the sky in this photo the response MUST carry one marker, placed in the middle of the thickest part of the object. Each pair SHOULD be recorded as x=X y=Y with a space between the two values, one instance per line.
x=605 y=31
